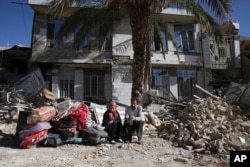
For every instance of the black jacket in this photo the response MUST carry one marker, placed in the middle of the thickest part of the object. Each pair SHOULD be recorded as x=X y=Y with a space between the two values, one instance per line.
x=105 y=119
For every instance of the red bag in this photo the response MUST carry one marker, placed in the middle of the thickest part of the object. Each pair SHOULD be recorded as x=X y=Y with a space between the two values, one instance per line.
x=33 y=138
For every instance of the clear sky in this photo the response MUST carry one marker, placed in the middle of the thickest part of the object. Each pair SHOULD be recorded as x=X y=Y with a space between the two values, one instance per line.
x=16 y=21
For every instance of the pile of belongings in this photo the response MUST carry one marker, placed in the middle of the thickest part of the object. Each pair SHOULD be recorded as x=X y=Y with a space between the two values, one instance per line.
x=55 y=125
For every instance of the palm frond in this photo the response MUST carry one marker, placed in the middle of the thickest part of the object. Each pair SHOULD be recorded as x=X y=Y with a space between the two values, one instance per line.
x=221 y=8
x=58 y=7
x=207 y=21
x=89 y=22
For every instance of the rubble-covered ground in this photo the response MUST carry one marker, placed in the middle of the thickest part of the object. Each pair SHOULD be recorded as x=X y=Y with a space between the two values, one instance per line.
x=208 y=126
x=201 y=134
x=154 y=151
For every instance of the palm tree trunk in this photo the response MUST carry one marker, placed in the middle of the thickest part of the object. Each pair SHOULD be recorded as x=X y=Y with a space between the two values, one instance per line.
x=140 y=41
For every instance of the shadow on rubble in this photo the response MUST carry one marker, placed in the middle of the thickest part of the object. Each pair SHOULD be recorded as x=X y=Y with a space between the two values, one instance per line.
x=9 y=140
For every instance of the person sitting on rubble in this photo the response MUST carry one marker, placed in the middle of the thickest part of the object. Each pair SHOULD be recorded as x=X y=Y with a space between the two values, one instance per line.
x=113 y=123
x=133 y=121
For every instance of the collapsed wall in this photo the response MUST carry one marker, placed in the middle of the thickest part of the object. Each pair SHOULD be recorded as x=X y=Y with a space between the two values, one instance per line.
x=206 y=125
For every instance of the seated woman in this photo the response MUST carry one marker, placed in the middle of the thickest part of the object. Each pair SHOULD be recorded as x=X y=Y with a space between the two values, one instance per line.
x=112 y=123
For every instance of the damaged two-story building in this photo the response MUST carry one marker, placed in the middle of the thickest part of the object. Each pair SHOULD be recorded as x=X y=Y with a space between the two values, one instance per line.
x=102 y=69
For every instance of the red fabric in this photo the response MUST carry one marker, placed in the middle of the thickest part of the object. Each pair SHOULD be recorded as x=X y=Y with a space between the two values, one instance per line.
x=113 y=116
x=81 y=115
x=33 y=138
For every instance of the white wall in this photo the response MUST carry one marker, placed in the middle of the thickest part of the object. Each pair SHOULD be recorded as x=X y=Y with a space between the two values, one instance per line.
x=237 y=54
x=122 y=83
x=206 y=52
x=122 y=45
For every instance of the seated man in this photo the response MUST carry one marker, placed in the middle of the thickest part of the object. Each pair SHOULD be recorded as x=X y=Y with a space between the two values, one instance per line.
x=133 y=121
x=112 y=123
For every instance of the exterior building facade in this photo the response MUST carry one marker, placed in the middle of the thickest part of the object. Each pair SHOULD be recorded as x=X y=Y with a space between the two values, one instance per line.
x=222 y=62
x=102 y=68
x=245 y=57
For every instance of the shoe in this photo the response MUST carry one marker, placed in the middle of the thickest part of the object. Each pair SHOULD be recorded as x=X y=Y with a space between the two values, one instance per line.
x=120 y=140
x=139 y=141
x=112 y=142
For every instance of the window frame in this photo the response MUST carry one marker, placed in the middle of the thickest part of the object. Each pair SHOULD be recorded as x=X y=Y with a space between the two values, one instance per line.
x=155 y=44
x=67 y=88
x=185 y=38
x=93 y=81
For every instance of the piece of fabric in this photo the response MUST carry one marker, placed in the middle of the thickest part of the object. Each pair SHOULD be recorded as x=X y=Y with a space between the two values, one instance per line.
x=114 y=130
x=113 y=116
x=112 y=104
x=137 y=112
x=31 y=129
x=81 y=115
x=110 y=116
x=130 y=127
x=41 y=114
x=33 y=139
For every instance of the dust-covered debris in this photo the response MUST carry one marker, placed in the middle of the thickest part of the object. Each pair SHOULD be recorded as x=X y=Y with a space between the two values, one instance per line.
x=208 y=125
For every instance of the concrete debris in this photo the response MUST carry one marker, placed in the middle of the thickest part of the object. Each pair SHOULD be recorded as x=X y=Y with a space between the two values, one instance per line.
x=184 y=160
x=208 y=125
x=153 y=119
x=2 y=126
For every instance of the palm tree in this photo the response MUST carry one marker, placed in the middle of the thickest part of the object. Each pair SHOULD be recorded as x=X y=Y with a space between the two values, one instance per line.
x=144 y=18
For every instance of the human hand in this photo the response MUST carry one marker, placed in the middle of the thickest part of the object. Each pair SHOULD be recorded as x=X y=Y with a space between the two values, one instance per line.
x=110 y=122
x=132 y=118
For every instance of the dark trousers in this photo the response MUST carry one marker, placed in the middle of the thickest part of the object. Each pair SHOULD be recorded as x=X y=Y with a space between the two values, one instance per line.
x=114 y=130
x=130 y=127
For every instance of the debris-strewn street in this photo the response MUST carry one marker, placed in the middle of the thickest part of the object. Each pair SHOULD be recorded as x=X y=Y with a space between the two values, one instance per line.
x=198 y=132
x=154 y=152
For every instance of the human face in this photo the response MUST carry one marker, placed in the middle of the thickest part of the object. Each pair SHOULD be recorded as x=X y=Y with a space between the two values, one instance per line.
x=133 y=104
x=112 y=108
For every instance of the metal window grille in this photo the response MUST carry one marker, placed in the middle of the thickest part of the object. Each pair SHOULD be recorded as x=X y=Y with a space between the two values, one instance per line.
x=160 y=82
x=93 y=87
x=67 y=88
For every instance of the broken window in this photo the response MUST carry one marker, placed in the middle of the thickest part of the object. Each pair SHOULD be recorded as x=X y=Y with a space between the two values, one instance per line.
x=160 y=82
x=184 y=36
x=185 y=81
x=86 y=38
x=156 y=44
x=93 y=84
x=67 y=88
x=104 y=39
x=52 y=30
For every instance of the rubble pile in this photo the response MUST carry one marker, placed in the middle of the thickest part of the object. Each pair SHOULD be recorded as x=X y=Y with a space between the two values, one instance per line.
x=207 y=125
